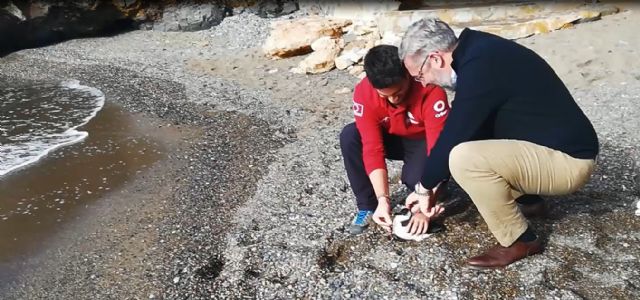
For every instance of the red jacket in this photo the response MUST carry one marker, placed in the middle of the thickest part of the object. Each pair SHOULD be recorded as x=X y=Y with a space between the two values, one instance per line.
x=422 y=114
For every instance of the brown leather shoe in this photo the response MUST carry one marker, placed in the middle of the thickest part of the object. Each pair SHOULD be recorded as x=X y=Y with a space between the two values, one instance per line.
x=498 y=256
x=536 y=210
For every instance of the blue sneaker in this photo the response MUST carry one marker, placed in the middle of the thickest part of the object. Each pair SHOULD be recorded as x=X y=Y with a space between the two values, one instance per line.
x=360 y=222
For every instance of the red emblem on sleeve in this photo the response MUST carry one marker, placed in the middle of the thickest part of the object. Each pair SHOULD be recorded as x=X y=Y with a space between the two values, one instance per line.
x=358 y=109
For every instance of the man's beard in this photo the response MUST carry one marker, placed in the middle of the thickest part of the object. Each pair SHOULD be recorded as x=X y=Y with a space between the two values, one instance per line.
x=445 y=81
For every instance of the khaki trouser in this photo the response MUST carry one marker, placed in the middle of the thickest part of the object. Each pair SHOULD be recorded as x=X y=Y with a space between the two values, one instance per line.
x=496 y=172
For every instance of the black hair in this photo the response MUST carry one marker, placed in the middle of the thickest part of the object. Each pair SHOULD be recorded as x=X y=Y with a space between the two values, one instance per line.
x=383 y=66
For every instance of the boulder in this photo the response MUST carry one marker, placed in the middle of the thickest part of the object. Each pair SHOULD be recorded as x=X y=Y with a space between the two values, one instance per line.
x=350 y=9
x=13 y=10
x=364 y=27
x=294 y=37
x=548 y=23
x=358 y=43
x=342 y=63
x=366 y=41
x=349 y=37
x=356 y=70
x=327 y=43
x=390 y=38
x=263 y=8
x=9 y=37
x=190 y=17
x=529 y=28
x=509 y=20
x=276 y=8
x=322 y=59
x=38 y=9
x=35 y=23
x=349 y=57
x=38 y=23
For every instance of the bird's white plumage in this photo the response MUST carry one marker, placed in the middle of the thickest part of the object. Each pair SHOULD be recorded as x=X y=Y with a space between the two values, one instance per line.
x=403 y=231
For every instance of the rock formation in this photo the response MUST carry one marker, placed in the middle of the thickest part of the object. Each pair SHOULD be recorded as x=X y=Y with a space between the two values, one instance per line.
x=382 y=22
x=325 y=50
x=294 y=37
x=34 y=23
x=190 y=17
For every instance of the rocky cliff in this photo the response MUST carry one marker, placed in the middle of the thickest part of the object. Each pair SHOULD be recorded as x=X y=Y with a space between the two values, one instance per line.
x=27 y=24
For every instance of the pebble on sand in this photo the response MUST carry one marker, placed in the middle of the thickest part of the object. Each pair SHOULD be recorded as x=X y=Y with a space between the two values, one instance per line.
x=342 y=91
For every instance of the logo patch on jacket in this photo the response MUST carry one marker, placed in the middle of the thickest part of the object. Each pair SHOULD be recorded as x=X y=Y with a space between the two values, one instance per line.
x=358 y=109
x=440 y=108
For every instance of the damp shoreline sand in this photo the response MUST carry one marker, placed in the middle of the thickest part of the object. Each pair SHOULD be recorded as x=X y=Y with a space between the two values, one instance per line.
x=63 y=187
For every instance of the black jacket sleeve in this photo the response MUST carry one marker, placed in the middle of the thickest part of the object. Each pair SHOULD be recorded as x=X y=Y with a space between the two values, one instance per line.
x=477 y=97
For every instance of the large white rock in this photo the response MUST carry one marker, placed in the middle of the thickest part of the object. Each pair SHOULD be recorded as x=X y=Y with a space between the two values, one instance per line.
x=342 y=63
x=14 y=10
x=327 y=43
x=356 y=70
x=390 y=38
x=507 y=20
x=322 y=59
x=350 y=57
x=362 y=27
x=350 y=9
x=294 y=37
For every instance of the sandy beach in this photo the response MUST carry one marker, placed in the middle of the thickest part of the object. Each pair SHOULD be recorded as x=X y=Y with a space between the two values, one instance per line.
x=251 y=199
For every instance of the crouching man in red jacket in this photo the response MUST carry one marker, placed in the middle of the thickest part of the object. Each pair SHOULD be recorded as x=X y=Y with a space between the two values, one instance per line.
x=395 y=118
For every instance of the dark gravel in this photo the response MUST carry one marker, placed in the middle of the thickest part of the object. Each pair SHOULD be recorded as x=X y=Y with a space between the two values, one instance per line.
x=258 y=198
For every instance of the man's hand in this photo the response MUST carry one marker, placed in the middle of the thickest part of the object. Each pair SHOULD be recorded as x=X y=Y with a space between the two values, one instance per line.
x=418 y=203
x=412 y=200
x=418 y=224
x=382 y=215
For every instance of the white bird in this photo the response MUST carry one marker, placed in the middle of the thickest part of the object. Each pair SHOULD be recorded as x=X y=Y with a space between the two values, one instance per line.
x=401 y=227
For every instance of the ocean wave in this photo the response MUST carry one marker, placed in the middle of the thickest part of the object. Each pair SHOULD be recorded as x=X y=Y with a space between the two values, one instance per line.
x=37 y=119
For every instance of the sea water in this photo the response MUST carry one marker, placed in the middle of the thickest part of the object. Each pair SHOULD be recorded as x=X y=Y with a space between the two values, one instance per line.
x=38 y=118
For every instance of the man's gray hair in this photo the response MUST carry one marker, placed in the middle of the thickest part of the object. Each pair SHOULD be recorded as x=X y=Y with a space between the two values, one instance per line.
x=425 y=36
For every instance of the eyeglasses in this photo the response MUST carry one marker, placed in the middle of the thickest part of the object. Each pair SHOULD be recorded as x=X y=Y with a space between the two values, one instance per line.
x=418 y=78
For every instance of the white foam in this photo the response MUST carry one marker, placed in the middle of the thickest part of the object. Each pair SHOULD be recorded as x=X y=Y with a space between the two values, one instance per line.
x=75 y=85
x=17 y=156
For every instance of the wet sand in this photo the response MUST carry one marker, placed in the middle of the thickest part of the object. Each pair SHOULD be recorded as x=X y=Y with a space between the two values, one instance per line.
x=166 y=220
x=38 y=200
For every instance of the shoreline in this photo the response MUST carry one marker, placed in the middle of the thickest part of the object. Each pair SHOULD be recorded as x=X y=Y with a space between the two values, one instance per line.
x=125 y=198
x=64 y=85
x=145 y=213
x=260 y=201
x=59 y=188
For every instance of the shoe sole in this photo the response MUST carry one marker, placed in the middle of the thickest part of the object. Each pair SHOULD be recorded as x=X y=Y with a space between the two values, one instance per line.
x=481 y=268
x=351 y=232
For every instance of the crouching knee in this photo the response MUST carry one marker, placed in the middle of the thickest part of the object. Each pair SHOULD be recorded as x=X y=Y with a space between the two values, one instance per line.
x=462 y=158
x=349 y=136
